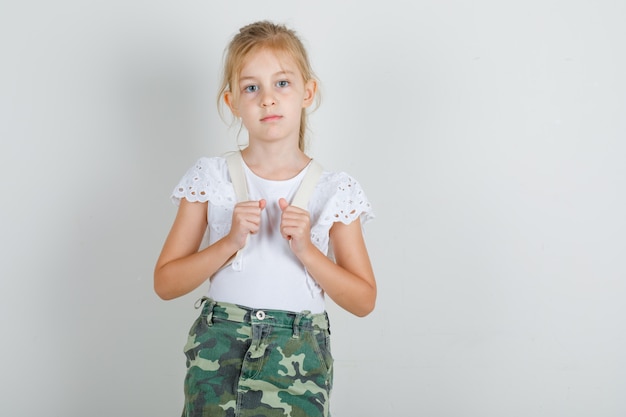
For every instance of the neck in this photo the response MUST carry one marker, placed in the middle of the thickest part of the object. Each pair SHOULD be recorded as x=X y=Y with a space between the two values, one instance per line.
x=275 y=162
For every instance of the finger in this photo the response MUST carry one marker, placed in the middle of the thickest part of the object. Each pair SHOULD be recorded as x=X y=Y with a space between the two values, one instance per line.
x=283 y=204
x=252 y=203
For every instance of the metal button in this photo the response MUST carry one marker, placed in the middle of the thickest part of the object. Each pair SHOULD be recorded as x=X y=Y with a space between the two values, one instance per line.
x=260 y=315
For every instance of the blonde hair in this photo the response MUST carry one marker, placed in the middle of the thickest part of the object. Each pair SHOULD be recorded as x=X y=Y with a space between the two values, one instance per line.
x=259 y=35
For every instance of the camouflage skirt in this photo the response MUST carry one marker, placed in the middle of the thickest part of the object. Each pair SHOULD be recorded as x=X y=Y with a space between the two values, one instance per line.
x=244 y=362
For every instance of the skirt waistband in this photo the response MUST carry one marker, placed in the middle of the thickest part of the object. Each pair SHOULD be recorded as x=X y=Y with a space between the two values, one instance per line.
x=280 y=318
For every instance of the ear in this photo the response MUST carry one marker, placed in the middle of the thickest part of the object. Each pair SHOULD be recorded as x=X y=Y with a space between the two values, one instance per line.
x=310 y=89
x=230 y=102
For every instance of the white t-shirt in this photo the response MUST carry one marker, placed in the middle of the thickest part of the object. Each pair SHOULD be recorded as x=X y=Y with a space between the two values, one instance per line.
x=271 y=276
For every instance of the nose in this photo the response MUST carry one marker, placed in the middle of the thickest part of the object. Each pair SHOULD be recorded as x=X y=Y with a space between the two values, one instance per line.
x=267 y=100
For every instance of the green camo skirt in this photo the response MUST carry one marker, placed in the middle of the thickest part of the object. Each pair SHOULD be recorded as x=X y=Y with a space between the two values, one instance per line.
x=244 y=362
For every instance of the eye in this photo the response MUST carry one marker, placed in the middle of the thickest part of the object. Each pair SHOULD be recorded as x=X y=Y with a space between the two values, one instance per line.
x=251 y=89
x=283 y=83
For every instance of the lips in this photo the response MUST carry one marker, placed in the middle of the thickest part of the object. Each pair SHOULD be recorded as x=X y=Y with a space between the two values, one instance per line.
x=271 y=118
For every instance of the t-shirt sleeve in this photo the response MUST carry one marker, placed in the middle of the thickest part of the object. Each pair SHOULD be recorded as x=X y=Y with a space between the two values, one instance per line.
x=347 y=201
x=206 y=180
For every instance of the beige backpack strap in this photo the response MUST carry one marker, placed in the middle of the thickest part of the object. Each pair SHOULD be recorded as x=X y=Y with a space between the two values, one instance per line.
x=237 y=175
x=238 y=179
x=312 y=176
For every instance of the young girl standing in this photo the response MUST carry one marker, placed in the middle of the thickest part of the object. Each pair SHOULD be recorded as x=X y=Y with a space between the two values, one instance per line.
x=260 y=346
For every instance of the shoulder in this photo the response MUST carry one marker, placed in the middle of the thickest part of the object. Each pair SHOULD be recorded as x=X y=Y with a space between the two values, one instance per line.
x=206 y=169
x=206 y=180
x=341 y=198
x=208 y=166
x=337 y=181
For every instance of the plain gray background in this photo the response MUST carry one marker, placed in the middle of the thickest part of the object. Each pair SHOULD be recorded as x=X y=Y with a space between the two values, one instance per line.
x=488 y=135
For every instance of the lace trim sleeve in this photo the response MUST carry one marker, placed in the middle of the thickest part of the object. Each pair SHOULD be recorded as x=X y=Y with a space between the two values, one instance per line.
x=347 y=200
x=206 y=180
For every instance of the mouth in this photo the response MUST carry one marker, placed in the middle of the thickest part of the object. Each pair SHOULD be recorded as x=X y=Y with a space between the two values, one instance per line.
x=271 y=118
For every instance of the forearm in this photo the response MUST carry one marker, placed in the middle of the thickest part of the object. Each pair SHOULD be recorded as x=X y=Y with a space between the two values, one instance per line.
x=181 y=276
x=354 y=292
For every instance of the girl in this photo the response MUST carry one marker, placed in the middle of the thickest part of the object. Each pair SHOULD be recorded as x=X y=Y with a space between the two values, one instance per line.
x=261 y=344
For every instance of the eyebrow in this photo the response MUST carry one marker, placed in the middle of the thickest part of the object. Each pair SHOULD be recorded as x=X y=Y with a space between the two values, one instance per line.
x=279 y=73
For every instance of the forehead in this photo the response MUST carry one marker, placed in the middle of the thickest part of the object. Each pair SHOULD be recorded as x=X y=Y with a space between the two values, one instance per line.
x=264 y=61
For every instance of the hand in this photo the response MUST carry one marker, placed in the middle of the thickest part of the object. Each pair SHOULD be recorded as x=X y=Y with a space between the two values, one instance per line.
x=246 y=220
x=295 y=226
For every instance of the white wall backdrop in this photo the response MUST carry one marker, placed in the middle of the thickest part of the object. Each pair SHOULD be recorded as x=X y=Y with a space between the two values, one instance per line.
x=489 y=135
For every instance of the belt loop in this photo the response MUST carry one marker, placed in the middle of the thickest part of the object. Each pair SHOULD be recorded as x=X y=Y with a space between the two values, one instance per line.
x=296 y=323
x=209 y=316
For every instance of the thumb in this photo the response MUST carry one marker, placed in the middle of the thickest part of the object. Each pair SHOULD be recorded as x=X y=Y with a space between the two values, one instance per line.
x=262 y=203
x=283 y=204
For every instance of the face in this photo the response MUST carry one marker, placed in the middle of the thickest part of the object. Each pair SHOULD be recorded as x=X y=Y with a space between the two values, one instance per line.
x=271 y=96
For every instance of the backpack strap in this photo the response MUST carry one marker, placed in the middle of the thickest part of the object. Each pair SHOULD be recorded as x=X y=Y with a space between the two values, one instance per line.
x=312 y=176
x=237 y=175
x=238 y=179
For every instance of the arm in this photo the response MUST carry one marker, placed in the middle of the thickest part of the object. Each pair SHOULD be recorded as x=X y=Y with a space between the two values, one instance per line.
x=350 y=280
x=181 y=268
